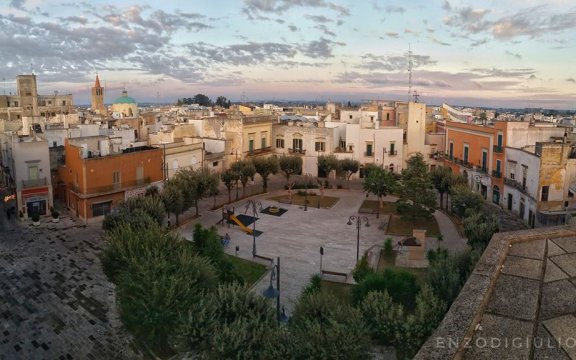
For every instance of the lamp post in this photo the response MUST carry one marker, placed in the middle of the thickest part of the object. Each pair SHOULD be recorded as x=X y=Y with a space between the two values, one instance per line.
x=358 y=220
x=384 y=152
x=321 y=255
x=254 y=207
x=272 y=293
x=235 y=151
x=306 y=192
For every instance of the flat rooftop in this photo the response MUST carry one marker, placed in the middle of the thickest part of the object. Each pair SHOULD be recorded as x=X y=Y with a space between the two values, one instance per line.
x=519 y=302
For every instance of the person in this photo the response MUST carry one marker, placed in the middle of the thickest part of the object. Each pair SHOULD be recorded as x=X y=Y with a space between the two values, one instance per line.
x=227 y=237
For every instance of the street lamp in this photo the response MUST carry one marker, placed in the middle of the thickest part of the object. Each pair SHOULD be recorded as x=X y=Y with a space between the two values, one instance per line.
x=235 y=151
x=254 y=207
x=306 y=191
x=384 y=152
x=272 y=293
x=358 y=220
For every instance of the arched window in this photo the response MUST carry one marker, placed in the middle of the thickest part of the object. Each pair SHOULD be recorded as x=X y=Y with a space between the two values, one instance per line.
x=391 y=167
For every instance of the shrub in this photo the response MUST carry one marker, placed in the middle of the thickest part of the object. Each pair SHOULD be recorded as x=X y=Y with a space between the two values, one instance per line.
x=388 y=249
x=35 y=217
x=54 y=213
x=314 y=285
x=361 y=269
x=400 y=284
x=383 y=317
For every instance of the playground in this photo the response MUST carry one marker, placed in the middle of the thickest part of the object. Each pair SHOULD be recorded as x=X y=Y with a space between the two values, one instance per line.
x=295 y=235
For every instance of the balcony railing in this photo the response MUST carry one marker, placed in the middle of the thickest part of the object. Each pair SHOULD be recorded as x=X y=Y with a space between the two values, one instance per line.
x=482 y=170
x=496 y=174
x=342 y=150
x=467 y=164
x=260 y=151
x=109 y=188
x=368 y=153
x=297 y=151
x=498 y=149
x=34 y=183
x=392 y=153
x=517 y=185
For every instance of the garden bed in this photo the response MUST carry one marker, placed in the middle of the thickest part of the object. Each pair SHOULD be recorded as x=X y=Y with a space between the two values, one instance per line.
x=403 y=227
x=248 y=270
x=389 y=262
x=326 y=202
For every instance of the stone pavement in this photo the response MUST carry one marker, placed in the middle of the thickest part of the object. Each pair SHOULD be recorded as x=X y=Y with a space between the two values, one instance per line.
x=55 y=302
x=297 y=235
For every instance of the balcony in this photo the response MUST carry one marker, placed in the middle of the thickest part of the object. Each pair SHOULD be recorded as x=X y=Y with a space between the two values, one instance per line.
x=112 y=188
x=392 y=153
x=368 y=153
x=518 y=186
x=498 y=149
x=467 y=164
x=343 y=150
x=34 y=183
x=482 y=170
x=259 y=151
x=496 y=174
x=297 y=151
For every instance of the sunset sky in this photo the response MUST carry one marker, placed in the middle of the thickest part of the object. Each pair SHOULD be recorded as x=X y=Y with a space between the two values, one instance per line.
x=508 y=53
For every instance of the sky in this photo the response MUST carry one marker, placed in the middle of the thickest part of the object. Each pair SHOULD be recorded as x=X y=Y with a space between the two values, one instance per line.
x=497 y=53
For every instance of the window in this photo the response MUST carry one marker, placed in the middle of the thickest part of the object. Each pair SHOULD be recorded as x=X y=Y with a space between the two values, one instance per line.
x=263 y=137
x=215 y=164
x=116 y=178
x=451 y=151
x=465 y=153
x=499 y=141
x=297 y=144
x=101 y=209
x=388 y=117
x=484 y=159
x=545 y=190
x=32 y=172
x=280 y=143
x=320 y=146
x=251 y=146
x=15 y=103
x=350 y=115
x=263 y=143
x=498 y=165
x=368 y=149
x=371 y=118
x=392 y=150
x=524 y=173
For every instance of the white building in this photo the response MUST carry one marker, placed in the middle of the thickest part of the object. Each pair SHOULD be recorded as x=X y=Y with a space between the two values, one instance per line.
x=26 y=168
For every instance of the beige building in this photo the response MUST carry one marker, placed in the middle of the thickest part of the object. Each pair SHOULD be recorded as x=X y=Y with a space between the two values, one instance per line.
x=125 y=106
x=248 y=136
x=98 y=98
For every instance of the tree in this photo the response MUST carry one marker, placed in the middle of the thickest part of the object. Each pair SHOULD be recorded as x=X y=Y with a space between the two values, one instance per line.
x=322 y=327
x=443 y=275
x=197 y=184
x=479 y=228
x=173 y=198
x=246 y=171
x=440 y=177
x=201 y=100
x=222 y=102
x=380 y=183
x=136 y=211
x=327 y=163
x=465 y=201
x=483 y=117
x=417 y=199
x=230 y=178
x=400 y=284
x=384 y=318
x=362 y=269
x=290 y=165
x=454 y=181
x=265 y=167
x=214 y=186
x=349 y=166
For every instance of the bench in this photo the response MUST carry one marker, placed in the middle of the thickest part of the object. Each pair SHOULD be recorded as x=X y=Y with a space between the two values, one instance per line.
x=366 y=211
x=328 y=272
x=264 y=258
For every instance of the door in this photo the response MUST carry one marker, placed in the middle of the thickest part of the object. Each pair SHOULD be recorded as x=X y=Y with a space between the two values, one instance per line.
x=509 y=201
x=465 y=154
x=484 y=160
x=251 y=146
x=36 y=207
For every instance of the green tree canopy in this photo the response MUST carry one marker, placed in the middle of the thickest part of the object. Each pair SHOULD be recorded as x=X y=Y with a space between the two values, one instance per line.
x=265 y=166
x=479 y=228
x=327 y=163
x=246 y=171
x=465 y=201
x=222 y=102
x=379 y=182
x=290 y=165
x=349 y=166
x=400 y=284
x=440 y=178
x=417 y=199
x=230 y=178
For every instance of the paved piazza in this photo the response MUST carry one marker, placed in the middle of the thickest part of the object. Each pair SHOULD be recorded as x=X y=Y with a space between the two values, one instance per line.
x=55 y=301
x=297 y=235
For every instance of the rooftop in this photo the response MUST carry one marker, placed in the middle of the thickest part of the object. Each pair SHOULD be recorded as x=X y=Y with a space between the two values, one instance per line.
x=519 y=302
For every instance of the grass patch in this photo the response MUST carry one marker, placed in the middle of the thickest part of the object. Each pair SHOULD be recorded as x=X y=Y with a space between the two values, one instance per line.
x=248 y=270
x=342 y=291
x=402 y=227
x=389 y=261
x=387 y=207
x=326 y=202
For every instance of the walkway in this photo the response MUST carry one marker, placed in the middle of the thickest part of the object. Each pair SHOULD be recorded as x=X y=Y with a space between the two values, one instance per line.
x=297 y=235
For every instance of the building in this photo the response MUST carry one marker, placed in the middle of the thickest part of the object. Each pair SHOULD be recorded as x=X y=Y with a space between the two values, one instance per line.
x=124 y=106
x=540 y=182
x=26 y=107
x=247 y=136
x=98 y=174
x=26 y=172
x=98 y=98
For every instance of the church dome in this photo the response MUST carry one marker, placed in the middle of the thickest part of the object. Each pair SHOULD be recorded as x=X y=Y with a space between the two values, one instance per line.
x=125 y=99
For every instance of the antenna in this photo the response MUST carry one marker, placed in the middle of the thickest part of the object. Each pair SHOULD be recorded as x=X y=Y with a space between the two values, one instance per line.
x=409 y=72
x=416 y=96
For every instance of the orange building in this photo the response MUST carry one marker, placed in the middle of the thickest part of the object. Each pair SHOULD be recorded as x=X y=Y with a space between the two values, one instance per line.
x=98 y=174
x=477 y=151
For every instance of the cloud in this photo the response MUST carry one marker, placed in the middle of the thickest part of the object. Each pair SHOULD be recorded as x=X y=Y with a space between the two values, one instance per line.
x=494 y=72
x=381 y=79
x=392 y=35
x=321 y=48
x=437 y=41
x=410 y=31
x=390 y=9
x=515 y=55
x=394 y=63
x=280 y=6
x=321 y=19
x=250 y=53
x=18 y=4
x=532 y=22
x=571 y=80
x=293 y=28
x=325 y=30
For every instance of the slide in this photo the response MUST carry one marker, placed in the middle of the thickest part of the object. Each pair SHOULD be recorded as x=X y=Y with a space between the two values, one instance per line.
x=242 y=226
